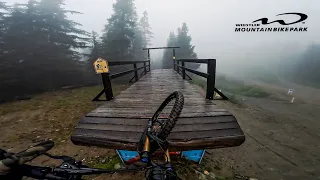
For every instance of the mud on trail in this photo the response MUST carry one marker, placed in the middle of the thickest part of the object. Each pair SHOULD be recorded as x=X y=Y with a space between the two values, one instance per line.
x=282 y=139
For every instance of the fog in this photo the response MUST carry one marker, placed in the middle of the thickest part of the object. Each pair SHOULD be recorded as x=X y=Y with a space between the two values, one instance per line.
x=211 y=25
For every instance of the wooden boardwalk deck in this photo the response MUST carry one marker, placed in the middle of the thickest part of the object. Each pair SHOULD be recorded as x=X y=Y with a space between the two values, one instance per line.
x=118 y=123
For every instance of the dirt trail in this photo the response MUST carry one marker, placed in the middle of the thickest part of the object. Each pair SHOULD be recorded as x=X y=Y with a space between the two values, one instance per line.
x=282 y=139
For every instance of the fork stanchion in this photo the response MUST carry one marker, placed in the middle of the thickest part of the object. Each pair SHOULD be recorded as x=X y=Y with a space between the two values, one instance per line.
x=146 y=150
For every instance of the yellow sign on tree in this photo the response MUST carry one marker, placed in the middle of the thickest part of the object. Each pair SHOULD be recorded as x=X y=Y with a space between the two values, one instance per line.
x=101 y=66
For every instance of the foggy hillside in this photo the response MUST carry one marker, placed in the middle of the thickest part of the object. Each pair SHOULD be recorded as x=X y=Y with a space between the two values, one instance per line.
x=92 y=28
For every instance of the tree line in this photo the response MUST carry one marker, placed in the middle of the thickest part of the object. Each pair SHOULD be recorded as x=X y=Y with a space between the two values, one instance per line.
x=305 y=67
x=40 y=45
x=183 y=40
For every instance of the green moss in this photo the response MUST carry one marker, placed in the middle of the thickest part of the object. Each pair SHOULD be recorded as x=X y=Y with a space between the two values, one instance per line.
x=221 y=178
x=105 y=162
x=200 y=82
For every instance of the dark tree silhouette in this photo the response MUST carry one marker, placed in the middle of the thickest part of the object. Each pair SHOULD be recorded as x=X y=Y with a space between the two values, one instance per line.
x=39 y=48
x=167 y=58
x=119 y=32
x=186 y=50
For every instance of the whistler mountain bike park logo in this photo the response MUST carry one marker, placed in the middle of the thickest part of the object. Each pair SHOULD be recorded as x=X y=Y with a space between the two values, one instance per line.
x=264 y=25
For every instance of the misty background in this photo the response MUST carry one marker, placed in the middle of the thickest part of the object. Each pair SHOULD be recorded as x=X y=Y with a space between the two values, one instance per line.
x=208 y=33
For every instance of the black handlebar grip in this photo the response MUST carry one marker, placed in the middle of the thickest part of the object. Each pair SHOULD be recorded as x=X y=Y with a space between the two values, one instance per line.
x=34 y=151
x=38 y=172
x=12 y=160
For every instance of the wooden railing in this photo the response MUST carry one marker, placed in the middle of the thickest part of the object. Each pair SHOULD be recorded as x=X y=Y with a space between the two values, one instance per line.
x=210 y=75
x=106 y=77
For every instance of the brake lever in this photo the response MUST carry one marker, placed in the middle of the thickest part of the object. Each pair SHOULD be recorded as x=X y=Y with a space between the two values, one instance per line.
x=65 y=159
x=2 y=154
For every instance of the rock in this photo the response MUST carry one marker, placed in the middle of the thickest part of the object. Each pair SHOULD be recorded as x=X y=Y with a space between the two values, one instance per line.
x=38 y=137
x=117 y=166
x=202 y=177
x=206 y=175
x=212 y=175
x=57 y=130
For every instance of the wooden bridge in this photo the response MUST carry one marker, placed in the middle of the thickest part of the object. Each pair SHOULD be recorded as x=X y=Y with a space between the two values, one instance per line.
x=119 y=123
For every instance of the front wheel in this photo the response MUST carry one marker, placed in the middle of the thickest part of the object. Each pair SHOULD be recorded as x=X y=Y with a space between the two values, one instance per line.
x=162 y=125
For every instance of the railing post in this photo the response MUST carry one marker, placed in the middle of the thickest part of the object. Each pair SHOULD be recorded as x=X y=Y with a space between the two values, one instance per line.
x=178 y=69
x=145 y=67
x=211 y=80
x=149 y=59
x=174 y=58
x=183 y=70
x=107 y=86
x=135 y=72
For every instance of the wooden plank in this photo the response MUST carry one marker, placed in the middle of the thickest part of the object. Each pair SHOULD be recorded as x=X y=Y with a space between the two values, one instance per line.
x=209 y=143
x=134 y=137
x=153 y=106
x=120 y=122
x=162 y=96
x=152 y=110
x=156 y=103
x=177 y=128
x=143 y=114
x=129 y=121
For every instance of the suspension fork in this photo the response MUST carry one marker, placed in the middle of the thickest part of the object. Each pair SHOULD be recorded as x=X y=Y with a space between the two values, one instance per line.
x=145 y=157
x=168 y=160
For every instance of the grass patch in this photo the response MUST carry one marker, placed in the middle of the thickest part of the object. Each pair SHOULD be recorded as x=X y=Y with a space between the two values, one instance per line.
x=233 y=88
x=251 y=91
x=233 y=99
x=108 y=162
x=200 y=82
x=81 y=97
x=189 y=170
x=48 y=115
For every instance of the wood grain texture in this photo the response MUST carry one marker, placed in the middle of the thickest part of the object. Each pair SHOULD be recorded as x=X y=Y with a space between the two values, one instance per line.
x=118 y=124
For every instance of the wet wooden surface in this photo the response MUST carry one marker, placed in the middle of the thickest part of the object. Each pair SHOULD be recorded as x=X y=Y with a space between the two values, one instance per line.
x=119 y=123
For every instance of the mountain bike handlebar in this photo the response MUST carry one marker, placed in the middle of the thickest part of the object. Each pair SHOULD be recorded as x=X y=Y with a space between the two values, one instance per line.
x=13 y=167
x=61 y=173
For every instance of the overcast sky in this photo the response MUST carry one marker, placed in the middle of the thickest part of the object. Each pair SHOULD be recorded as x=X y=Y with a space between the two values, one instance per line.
x=212 y=23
